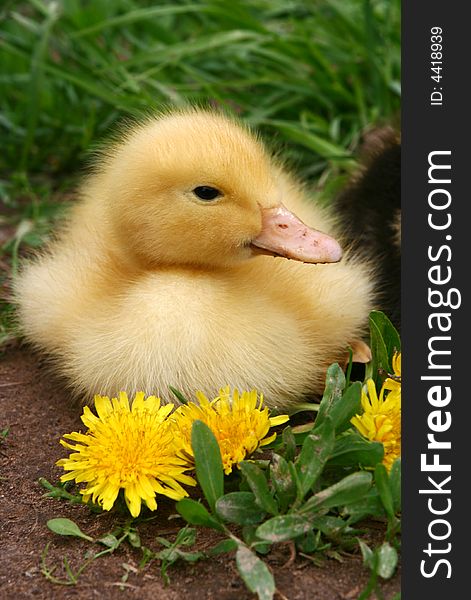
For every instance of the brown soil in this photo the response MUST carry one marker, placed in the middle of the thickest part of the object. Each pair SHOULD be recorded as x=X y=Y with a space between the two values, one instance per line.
x=37 y=410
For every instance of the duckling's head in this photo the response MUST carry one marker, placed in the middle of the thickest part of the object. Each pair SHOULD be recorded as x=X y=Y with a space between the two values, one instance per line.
x=196 y=188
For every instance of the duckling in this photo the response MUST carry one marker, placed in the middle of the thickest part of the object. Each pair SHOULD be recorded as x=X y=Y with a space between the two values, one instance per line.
x=370 y=212
x=173 y=269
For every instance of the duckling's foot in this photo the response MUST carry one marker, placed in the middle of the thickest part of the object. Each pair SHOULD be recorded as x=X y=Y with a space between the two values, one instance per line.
x=361 y=352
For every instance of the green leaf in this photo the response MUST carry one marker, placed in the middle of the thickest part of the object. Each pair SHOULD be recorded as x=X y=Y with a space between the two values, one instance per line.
x=190 y=556
x=258 y=484
x=395 y=484
x=352 y=449
x=64 y=526
x=335 y=383
x=208 y=462
x=380 y=359
x=196 y=514
x=289 y=441
x=164 y=542
x=347 y=490
x=388 y=332
x=309 y=542
x=60 y=491
x=185 y=537
x=109 y=540
x=346 y=408
x=384 y=341
x=369 y=505
x=255 y=573
x=250 y=537
x=222 y=547
x=240 y=508
x=172 y=554
x=314 y=454
x=384 y=490
x=368 y=555
x=283 y=481
x=332 y=527
x=387 y=560
x=284 y=527
x=134 y=539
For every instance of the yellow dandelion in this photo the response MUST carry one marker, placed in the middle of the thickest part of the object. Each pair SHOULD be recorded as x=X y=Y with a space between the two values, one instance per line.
x=239 y=422
x=393 y=382
x=126 y=448
x=381 y=420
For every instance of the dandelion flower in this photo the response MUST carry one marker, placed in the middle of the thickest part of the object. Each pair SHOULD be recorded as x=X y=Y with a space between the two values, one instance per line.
x=239 y=422
x=393 y=382
x=129 y=448
x=381 y=420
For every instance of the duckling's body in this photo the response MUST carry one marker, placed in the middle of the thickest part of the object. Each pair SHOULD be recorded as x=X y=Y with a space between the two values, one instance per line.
x=149 y=286
x=370 y=211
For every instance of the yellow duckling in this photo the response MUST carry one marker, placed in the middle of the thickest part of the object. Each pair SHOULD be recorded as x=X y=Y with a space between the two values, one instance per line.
x=160 y=276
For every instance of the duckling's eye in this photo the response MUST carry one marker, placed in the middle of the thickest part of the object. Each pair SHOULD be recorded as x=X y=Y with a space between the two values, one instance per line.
x=205 y=192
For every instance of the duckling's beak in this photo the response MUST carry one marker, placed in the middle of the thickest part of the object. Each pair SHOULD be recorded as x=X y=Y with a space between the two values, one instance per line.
x=283 y=234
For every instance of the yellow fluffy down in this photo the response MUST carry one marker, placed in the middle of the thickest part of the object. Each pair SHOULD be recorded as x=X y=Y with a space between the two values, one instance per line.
x=147 y=286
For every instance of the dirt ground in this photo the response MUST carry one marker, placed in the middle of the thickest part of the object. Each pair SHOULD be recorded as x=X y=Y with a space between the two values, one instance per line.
x=36 y=408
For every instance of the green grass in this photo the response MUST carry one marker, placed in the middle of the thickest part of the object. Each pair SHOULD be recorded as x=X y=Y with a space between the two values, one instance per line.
x=310 y=75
